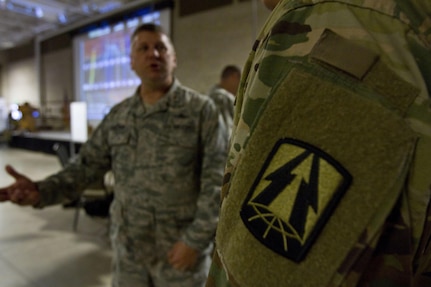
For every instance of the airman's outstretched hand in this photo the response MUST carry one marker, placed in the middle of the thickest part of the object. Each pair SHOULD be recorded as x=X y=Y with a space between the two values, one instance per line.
x=23 y=192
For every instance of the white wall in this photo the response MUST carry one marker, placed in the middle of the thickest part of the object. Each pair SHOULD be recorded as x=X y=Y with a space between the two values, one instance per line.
x=57 y=81
x=20 y=82
x=208 y=41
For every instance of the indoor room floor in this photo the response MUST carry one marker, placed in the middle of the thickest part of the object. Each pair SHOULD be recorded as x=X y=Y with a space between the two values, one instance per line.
x=38 y=248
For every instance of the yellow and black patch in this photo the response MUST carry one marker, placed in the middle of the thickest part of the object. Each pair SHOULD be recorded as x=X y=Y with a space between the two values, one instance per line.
x=293 y=197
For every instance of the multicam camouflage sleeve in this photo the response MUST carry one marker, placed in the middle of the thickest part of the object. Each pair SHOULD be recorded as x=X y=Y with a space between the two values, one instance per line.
x=329 y=170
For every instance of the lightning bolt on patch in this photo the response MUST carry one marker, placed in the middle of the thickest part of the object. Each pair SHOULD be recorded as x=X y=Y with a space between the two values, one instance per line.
x=293 y=197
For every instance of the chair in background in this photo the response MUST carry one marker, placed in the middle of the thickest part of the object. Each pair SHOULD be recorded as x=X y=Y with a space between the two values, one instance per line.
x=95 y=199
x=62 y=153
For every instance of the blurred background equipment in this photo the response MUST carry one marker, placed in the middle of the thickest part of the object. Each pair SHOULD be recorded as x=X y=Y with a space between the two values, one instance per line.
x=24 y=117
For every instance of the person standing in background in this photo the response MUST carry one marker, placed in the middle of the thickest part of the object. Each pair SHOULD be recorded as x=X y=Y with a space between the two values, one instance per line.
x=223 y=94
x=166 y=147
x=329 y=170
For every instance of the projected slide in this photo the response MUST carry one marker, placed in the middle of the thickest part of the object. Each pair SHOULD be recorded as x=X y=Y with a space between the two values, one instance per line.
x=102 y=64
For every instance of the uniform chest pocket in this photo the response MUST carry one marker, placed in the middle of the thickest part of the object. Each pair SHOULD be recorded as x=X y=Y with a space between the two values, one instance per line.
x=178 y=141
x=179 y=131
x=122 y=146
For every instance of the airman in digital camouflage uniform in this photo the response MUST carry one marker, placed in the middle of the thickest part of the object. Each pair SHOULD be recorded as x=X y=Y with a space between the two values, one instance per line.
x=166 y=146
x=223 y=93
x=328 y=177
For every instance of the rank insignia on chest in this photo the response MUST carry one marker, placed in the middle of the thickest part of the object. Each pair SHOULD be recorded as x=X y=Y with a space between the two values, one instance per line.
x=294 y=195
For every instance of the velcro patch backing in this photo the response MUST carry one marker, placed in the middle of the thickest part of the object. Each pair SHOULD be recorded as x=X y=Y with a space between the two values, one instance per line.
x=364 y=64
x=343 y=54
x=369 y=141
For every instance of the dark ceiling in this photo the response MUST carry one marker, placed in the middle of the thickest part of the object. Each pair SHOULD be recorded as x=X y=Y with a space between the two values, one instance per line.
x=21 y=21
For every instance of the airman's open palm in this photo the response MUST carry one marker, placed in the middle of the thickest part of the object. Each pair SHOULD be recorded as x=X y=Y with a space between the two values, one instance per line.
x=23 y=192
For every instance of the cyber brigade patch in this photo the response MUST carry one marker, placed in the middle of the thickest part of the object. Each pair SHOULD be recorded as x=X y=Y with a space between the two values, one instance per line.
x=293 y=197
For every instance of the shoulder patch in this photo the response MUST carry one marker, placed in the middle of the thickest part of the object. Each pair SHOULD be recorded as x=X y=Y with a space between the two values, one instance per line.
x=293 y=197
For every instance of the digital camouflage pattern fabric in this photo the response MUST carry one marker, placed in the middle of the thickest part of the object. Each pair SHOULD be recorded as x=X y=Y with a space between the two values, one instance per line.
x=328 y=176
x=224 y=101
x=167 y=161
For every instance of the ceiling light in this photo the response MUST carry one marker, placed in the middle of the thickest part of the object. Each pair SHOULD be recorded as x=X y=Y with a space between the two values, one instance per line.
x=38 y=12
x=62 y=18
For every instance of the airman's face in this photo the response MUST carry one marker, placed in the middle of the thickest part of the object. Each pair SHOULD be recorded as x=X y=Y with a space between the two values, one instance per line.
x=153 y=57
